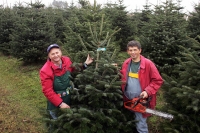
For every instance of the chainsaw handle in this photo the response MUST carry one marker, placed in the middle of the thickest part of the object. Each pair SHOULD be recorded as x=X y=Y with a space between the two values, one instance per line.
x=135 y=105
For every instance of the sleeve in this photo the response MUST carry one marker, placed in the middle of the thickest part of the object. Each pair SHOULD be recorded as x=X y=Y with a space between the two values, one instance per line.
x=47 y=88
x=156 y=80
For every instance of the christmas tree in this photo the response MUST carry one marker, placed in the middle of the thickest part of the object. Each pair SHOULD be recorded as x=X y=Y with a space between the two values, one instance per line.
x=32 y=33
x=6 y=26
x=119 y=17
x=77 y=23
x=162 y=34
x=194 y=21
x=97 y=102
x=183 y=94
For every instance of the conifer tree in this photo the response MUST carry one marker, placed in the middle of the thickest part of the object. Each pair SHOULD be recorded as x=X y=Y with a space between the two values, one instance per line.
x=194 y=22
x=32 y=34
x=6 y=26
x=58 y=22
x=138 y=20
x=119 y=17
x=144 y=17
x=96 y=104
x=163 y=34
x=77 y=23
x=182 y=94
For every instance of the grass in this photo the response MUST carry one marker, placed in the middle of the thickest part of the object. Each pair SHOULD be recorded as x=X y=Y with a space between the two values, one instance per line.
x=21 y=97
x=154 y=121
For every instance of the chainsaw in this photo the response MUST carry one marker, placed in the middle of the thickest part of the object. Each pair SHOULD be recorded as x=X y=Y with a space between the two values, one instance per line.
x=140 y=105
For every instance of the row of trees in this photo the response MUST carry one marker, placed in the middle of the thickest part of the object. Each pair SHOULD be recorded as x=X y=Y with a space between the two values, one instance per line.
x=167 y=38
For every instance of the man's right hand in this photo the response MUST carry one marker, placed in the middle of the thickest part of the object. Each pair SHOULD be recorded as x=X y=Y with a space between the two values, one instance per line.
x=64 y=105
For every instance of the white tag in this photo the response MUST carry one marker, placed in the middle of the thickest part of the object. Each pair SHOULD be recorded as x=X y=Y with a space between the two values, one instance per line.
x=101 y=49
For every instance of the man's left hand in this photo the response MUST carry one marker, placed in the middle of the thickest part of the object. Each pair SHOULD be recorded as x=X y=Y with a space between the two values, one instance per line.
x=89 y=60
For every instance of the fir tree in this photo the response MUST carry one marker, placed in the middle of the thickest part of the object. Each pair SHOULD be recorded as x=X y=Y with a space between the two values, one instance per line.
x=77 y=23
x=138 y=20
x=120 y=18
x=144 y=17
x=162 y=35
x=183 y=93
x=97 y=105
x=194 y=22
x=32 y=34
x=58 y=22
x=6 y=26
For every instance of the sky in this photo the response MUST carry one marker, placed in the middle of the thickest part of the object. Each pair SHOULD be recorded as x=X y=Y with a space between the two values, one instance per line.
x=130 y=4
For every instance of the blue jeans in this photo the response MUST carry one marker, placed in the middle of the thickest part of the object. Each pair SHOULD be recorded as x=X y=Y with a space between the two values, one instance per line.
x=53 y=114
x=141 y=124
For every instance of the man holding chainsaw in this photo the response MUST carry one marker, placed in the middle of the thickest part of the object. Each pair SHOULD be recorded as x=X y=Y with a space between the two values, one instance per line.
x=55 y=79
x=140 y=78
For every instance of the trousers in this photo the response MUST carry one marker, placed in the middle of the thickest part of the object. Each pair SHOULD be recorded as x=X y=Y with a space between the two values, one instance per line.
x=141 y=124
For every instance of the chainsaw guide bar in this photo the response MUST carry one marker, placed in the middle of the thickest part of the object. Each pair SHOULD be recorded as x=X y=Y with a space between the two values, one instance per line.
x=140 y=105
x=159 y=113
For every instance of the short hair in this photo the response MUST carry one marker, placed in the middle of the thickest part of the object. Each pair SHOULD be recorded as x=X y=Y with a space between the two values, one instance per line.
x=134 y=43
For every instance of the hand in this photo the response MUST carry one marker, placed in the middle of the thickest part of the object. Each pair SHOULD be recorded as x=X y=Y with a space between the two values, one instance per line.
x=144 y=94
x=114 y=64
x=64 y=105
x=89 y=60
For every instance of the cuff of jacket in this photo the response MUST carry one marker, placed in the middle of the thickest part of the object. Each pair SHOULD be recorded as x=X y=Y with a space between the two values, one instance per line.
x=85 y=65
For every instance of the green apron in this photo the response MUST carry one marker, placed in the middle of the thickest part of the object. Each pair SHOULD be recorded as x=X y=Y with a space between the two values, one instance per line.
x=61 y=84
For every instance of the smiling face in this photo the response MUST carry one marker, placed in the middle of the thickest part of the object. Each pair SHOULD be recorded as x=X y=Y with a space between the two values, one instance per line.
x=134 y=53
x=55 y=55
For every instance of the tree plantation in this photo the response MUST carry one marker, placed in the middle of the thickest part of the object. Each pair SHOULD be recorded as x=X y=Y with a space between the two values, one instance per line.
x=169 y=37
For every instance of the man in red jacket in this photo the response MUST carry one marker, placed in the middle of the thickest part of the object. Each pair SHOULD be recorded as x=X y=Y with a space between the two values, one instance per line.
x=140 y=77
x=54 y=76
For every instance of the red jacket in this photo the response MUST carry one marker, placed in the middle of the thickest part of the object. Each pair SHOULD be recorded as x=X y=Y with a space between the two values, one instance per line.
x=149 y=78
x=47 y=73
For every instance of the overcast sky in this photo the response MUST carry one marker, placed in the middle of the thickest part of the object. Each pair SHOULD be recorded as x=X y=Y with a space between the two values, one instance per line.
x=130 y=4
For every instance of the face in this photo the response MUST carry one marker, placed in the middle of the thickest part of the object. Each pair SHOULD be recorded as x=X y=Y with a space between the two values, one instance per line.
x=55 y=55
x=134 y=53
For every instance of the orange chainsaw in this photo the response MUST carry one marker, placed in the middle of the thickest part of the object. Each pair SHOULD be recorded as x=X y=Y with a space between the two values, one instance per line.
x=140 y=105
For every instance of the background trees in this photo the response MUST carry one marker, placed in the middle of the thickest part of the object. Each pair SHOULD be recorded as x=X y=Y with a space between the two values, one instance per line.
x=182 y=93
x=118 y=18
x=32 y=33
x=162 y=35
x=6 y=26
x=193 y=20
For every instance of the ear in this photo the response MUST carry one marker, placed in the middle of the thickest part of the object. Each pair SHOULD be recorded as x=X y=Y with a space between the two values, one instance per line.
x=127 y=50
x=140 y=50
x=60 y=51
x=48 y=56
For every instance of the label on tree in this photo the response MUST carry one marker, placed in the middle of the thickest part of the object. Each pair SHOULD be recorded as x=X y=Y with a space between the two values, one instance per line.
x=101 y=49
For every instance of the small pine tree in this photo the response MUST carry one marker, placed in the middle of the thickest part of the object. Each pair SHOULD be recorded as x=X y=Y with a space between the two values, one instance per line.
x=162 y=35
x=32 y=34
x=183 y=93
x=120 y=18
x=194 y=22
x=6 y=26
x=77 y=23
x=97 y=105
x=56 y=17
